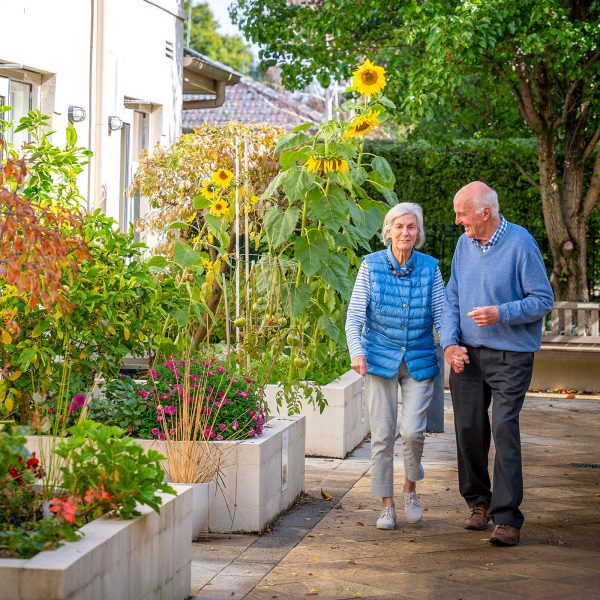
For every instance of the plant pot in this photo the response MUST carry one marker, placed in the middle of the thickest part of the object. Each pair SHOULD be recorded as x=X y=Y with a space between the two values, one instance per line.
x=202 y=493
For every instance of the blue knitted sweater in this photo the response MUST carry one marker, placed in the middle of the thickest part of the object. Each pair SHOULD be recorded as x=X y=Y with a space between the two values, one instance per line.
x=511 y=275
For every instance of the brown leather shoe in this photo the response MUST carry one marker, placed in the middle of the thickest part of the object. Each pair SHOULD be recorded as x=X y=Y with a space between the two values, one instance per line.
x=505 y=535
x=478 y=518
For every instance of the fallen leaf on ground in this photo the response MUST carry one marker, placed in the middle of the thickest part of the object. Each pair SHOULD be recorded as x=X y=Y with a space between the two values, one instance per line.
x=360 y=505
x=570 y=396
x=315 y=558
x=294 y=574
x=313 y=592
x=360 y=523
x=351 y=562
x=326 y=495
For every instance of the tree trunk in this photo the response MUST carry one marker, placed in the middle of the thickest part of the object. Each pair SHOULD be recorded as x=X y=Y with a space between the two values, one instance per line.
x=565 y=226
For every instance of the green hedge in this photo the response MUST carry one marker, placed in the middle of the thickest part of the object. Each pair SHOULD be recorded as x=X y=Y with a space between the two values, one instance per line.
x=432 y=175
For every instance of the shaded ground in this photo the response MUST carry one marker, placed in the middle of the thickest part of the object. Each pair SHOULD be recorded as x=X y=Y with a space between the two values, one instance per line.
x=331 y=549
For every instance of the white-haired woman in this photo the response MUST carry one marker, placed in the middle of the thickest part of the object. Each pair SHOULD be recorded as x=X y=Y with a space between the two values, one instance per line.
x=396 y=301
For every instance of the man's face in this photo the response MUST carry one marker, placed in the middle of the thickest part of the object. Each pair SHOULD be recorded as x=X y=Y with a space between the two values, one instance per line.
x=476 y=224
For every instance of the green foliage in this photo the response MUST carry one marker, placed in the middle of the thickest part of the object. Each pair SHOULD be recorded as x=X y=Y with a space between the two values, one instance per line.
x=100 y=457
x=231 y=50
x=30 y=539
x=118 y=306
x=431 y=174
x=121 y=405
x=486 y=68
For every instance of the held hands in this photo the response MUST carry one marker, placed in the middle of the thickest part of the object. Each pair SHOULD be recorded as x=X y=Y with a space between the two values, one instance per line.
x=485 y=315
x=457 y=357
x=359 y=364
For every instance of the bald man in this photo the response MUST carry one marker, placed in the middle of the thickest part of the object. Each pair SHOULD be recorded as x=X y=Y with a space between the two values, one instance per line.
x=496 y=298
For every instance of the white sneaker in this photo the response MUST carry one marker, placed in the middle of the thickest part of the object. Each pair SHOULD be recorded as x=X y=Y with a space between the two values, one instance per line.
x=387 y=518
x=412 y=507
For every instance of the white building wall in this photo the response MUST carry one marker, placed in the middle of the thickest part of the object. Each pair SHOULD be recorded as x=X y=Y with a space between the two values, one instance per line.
x=95 y=54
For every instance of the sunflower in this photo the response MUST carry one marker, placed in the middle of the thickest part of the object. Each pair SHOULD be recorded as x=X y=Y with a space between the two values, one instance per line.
x=329 y=164
x=363 y=124
x=369 y=79
x=219 y=208
x=222 y=178
x=208 y=189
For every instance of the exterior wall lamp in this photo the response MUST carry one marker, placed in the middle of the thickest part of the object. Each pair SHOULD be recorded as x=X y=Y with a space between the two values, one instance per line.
x=114 y=124
x=76 y=114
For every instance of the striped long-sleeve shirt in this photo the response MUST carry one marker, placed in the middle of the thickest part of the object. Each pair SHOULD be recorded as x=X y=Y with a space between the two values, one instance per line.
x=361 y=296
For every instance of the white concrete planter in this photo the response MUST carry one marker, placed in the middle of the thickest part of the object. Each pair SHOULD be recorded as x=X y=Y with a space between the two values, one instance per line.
x=202 y=493
x=342 y=425
x=142 y=558
x=258 y=478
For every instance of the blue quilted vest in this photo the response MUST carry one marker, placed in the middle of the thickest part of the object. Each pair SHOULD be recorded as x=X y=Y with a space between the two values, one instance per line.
x=399 y=322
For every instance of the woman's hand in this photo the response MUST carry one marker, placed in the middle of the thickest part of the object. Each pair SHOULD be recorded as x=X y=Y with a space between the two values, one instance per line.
x=359 y=364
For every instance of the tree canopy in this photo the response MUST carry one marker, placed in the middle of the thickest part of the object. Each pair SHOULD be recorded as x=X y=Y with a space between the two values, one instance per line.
x=231 y=50
x=481 y=67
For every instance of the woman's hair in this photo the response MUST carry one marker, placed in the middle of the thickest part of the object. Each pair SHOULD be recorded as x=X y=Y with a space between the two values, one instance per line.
x=404 y=208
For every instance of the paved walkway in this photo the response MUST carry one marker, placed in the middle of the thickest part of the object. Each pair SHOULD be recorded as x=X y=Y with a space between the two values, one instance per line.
x=331 y=549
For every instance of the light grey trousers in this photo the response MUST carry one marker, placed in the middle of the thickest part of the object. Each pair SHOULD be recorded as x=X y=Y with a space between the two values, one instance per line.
x=382 y=396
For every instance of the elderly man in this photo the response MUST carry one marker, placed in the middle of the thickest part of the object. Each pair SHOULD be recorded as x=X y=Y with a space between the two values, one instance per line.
x=496 y=298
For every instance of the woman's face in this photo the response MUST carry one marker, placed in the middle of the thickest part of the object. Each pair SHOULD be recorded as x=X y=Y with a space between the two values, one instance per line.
x=404 y=233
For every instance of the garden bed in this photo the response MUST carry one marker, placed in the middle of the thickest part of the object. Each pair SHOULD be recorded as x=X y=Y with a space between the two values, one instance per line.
x=259 y=478
x=341 y=426
x=145 y=557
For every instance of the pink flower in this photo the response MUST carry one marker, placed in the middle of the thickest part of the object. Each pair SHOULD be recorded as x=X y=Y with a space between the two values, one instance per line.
x=162 y=436
x=154 y=374
x=155 y=431
x=235 y=425
x=248 y=380
x=194 y=377
x=243 y=394
x=222 y=426
x=73 y=407
x=144 y=394
x=164 y=396
x=159 y=409
x=160 y=418
x=79 y=400
x=251 y=412
x=170 y=364
x=212 y=374
x=220 y=370
x=173 y=431
x=219 y=438
x=170 y=410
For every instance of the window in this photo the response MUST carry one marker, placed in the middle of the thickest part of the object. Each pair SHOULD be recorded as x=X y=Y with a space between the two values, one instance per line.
x=17 y=95
x=134 y=140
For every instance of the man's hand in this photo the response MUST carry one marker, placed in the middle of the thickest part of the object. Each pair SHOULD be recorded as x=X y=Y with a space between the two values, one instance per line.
x=485 y=315
x=457 y=357
x=359 y=364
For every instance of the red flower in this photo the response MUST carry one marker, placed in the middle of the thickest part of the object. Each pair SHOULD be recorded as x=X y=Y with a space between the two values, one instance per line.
x=33 y=462
x=65 y=508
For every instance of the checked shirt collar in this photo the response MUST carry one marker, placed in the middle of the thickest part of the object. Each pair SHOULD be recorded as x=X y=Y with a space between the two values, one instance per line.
x=494 y=239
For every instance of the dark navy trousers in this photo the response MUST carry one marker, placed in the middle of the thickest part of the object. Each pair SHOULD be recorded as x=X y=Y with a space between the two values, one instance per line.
x=499 y=378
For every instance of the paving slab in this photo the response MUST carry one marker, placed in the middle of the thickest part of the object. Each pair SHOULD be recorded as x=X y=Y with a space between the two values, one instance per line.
x=331 y=549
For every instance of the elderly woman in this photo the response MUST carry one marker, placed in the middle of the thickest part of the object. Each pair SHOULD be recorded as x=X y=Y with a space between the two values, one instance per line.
x=396 y=301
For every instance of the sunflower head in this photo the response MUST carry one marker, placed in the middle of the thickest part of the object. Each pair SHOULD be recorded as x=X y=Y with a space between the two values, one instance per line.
x=208 y=189
x=369 y=79
x=219 y=207
x=363 y=124
x=222 y=178
x=330 y=164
